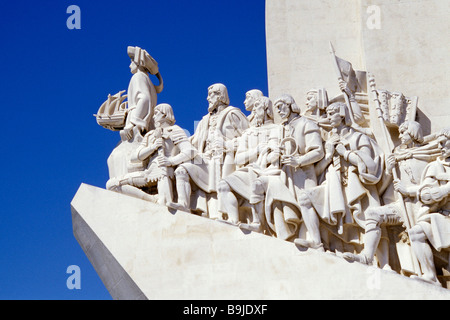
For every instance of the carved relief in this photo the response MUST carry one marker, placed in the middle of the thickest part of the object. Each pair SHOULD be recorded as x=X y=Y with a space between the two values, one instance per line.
x=352 y=175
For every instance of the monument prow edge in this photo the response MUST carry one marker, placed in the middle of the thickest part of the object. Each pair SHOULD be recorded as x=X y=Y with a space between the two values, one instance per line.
x=143 y=250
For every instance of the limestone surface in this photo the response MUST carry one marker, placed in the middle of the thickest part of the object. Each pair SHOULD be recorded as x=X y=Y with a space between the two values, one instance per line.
x=143 y=250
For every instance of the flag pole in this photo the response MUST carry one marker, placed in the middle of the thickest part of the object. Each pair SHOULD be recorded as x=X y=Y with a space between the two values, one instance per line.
x=405 y=213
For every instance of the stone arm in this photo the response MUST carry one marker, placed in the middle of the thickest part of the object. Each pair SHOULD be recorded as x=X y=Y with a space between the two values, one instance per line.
x=274 y=151
x=243 y=153
x=430 y=195
x=366 y=156
x=146 y=149
x=140 y=112
x=235 y=126
x=356 y=109
x=428 y=192
x=352 y=157
x=187 y=152
x=312 y=153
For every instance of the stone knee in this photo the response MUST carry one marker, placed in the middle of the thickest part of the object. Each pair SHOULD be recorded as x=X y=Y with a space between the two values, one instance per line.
x=374 y=219
x=416 y=234
x=303 y=199
x=257 y=195
x=223 y=187
x=181 y=174
x=113 y=184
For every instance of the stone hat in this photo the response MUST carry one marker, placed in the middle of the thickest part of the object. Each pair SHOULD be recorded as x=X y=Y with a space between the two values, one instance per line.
x=142 y=58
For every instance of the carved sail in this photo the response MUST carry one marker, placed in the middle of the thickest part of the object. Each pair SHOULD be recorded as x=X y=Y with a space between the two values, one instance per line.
x=113 y=112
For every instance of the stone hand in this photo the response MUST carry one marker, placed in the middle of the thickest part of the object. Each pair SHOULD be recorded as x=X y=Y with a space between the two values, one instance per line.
x=158 y=143
x=293 y=161
x=128 y=132
x=163 y=161
x=399 y=187
x=390 y=162
x=344 y=88
x=262 y=147
x=340 y=149
x=330 y=145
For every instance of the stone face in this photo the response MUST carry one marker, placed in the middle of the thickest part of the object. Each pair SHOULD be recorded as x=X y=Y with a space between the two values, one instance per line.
x=144 y=250
x=403 y=43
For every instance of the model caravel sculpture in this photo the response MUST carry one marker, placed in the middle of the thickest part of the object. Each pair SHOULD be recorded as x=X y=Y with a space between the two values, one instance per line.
x=113 y=112
x=352 y=175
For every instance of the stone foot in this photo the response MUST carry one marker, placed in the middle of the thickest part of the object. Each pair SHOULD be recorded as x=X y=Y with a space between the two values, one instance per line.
x=351 y=257
x=236 y=224
x=177 y=206
x=309 y=244
x=256 y=227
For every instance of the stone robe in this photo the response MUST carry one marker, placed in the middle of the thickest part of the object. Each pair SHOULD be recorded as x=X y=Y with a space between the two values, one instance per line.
x=211 y=164
x=434 y=216
x=287 y=187
x=348 y=190
x=140 y=85
x=142 y=115
x=249 y=162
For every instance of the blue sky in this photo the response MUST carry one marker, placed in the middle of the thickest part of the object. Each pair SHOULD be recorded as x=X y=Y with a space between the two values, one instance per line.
x=52 y=82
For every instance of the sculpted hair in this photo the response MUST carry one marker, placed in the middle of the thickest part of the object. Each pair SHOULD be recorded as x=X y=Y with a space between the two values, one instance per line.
x=289 y=100
x=255 y=93
x=267 y=103
x=414 y=129
x=167 y=110
x=223 y=92
x=342 y=108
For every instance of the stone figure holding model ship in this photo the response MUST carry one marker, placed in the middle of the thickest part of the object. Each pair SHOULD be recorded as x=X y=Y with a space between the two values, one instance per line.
x=134 y=117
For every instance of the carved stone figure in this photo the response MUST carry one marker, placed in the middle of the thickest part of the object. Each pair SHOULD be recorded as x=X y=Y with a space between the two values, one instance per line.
x=349 y=174
x=253 y=156
x=250 y=98
x=141 y=93
x=411 y=156
x=142 y=97
x=432 y=225
x=320 y=178
x=316 y=103
x=284 y=191
x=215 y=141
x=152 y=163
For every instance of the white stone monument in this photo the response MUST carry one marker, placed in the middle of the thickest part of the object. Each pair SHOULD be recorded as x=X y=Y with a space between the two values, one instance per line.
x=342 y=196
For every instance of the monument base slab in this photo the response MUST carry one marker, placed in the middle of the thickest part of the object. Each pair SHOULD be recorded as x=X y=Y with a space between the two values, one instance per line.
x=142 y=250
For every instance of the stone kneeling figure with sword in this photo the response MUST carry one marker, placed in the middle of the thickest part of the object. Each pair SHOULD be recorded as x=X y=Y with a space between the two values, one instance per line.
x=152 y=164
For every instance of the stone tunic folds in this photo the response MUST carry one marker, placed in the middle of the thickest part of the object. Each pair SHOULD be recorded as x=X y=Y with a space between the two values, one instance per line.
x=434 y=216
x=210 y=165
